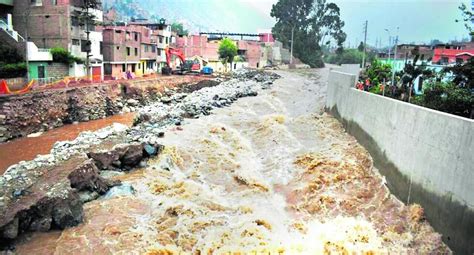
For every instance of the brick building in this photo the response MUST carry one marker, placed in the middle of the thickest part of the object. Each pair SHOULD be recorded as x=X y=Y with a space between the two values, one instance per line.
x=250 y=53
x=128 y=48
x=55 y=23
x=161 y=36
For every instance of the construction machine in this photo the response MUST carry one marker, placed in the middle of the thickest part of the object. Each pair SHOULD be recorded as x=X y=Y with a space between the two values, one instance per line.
x=184 y=67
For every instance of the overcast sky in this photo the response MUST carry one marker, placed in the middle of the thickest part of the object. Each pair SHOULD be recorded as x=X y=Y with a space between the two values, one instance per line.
x=418 y=20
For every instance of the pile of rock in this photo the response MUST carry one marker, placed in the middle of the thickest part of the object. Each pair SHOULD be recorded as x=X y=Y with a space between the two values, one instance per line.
x=51 y=196
x=244 y=83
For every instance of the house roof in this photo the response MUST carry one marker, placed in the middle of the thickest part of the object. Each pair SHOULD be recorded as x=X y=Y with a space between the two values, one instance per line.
x=465 y=53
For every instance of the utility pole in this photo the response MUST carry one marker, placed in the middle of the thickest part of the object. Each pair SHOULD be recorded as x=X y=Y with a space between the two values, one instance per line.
x=365 y=43
x=394 y=58
x=292 y=42
x=389 y=45
x=27 y=61
x=88 y=43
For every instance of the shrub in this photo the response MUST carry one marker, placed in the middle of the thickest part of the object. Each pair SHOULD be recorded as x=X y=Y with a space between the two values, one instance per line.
x=13 y=70
x=61 y=55
x=377 y=73
x=447 y=97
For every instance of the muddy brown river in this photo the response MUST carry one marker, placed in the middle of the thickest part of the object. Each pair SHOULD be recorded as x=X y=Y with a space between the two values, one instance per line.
x=270 y=174
x=27 y=148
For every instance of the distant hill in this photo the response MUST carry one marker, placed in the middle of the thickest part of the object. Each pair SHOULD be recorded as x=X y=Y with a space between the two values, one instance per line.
x=196 y=15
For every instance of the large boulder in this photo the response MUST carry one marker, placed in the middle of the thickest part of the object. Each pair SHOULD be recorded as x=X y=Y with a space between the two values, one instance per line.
x=47 y=198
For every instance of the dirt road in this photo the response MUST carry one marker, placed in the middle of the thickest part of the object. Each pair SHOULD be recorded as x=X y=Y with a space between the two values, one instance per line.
x=270 y=173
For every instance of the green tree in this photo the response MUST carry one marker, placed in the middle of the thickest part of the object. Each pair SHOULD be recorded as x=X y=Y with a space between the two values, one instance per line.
x=448 y=97
x=179 y=29
x=314 y=23
x=467 y=17
x=9 y=55
x=12 y=63
x=227 y=51
x=463 y=74
x=377 y=72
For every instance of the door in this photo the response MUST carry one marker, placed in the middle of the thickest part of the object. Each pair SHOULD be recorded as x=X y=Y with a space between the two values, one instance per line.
x=41 y=72
x=96 y=73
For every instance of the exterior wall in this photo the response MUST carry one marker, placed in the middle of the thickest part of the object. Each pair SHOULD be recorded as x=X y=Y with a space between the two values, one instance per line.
x=36 y=54
x=52 y=70
x=114 y=40
x=40 y=18
x=425 y=155
x=51 y=26
x=451 y=55
x=253 y=52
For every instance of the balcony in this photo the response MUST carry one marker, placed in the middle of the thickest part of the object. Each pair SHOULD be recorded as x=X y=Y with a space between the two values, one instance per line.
x=6 y=2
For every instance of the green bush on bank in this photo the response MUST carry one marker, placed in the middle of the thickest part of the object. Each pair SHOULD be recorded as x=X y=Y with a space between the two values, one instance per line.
x=12 y=70
x=447 y=97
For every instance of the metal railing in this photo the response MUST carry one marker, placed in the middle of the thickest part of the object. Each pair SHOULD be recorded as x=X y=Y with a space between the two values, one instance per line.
x=13 y=34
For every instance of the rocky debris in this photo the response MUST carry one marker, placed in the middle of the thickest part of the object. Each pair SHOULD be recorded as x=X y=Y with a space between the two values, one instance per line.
x=121 y=190
x=244 y=83
x=47 y=197
x=121 y=156
x=43 y=110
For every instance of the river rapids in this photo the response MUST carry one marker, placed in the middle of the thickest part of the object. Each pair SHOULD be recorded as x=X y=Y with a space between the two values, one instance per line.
x=271 y=174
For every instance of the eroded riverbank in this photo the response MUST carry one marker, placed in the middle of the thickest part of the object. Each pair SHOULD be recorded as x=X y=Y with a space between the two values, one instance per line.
x=27 y=148
x=268 y=174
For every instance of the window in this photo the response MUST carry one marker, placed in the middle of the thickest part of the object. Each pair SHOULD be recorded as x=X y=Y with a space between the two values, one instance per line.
x=136 y=37
x=123 y=67
x=136 y=51
x=161 y=39
x=118 y=47
x=36 y=2
x=85 y=46
x=41 y=72
x=54 y=2
x=101 y=48
x=153 y=48
x=167 y=40
x=74 y=21
x=128 y=51
x=138 y=66
x=76 y=42
x=159 y=52
x=145 y=47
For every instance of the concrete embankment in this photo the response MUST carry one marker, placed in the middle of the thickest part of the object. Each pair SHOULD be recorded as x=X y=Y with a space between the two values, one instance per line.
x=425 y=155
x=43 y=110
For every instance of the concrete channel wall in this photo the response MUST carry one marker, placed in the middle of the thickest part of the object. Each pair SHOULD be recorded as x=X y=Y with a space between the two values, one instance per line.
x=427 y=156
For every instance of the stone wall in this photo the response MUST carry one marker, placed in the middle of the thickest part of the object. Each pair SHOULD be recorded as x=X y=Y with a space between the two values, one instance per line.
x=58 y=70
x=426 y=155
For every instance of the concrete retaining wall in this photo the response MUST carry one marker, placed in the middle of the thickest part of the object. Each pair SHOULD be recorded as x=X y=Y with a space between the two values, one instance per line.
x=427 y=156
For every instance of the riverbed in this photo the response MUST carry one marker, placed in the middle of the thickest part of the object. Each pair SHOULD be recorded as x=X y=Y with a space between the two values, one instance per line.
x=270 y=174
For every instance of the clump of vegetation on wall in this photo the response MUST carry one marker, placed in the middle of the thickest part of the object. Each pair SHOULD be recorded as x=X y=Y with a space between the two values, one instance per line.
x=61 y=55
